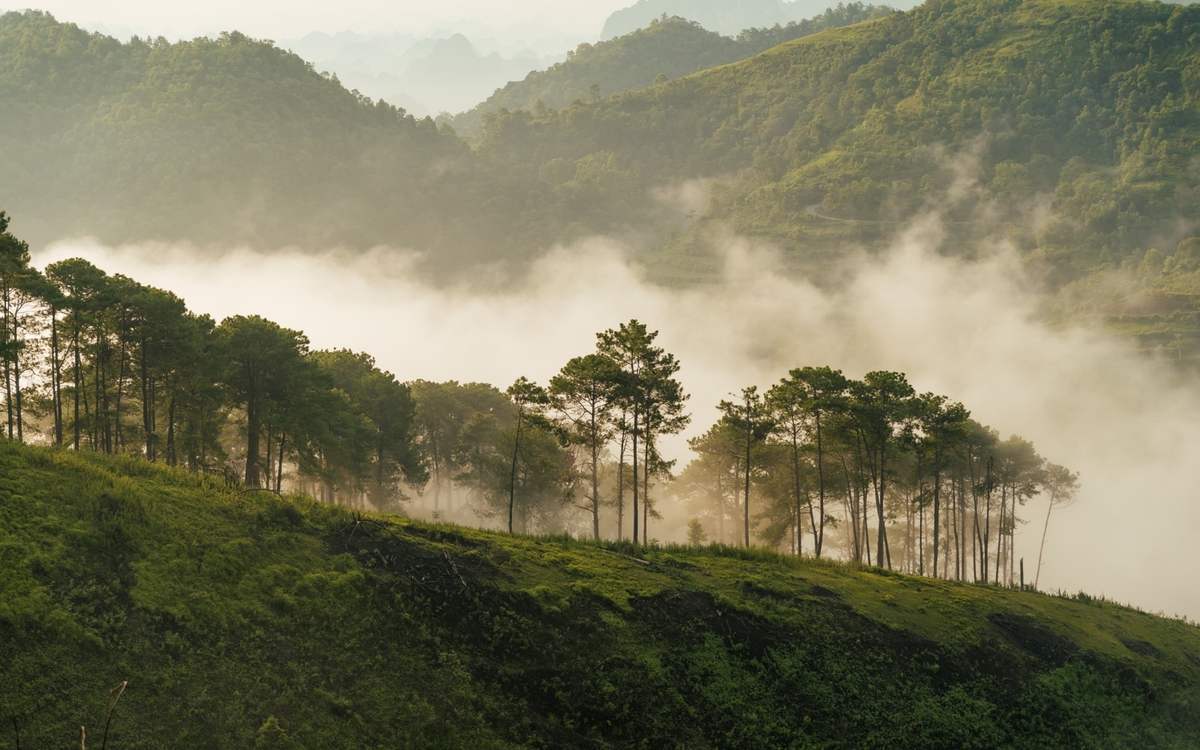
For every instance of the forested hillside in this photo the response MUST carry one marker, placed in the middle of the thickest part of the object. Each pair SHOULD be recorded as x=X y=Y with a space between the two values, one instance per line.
x=666 y=48
x=1066 y=128
x=214 y=140
x=240 y=619
x=1089 y=108
x=1085 y=111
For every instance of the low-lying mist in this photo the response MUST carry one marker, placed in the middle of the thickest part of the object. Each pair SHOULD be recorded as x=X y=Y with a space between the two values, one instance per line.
x=968 y=329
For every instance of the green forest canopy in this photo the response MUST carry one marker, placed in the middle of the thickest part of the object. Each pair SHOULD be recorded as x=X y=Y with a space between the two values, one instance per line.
x=1062 y=94
x=1066 y=128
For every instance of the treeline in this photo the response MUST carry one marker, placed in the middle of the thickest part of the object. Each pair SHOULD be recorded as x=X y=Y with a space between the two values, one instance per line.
x=883 y=474
x=587 y=441
x=667 y=48
x=899 y=479
x=100 y=362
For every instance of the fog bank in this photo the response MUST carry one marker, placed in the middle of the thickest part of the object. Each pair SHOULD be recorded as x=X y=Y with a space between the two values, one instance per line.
x=968 y=329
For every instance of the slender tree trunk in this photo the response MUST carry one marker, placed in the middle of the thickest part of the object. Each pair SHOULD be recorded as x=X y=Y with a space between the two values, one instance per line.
x=819 y=528
x=987 y=523
x=16 y=358
x=1037 y=575
x=171 y=457
x=799 y=545
x=252 y=429
x=97 y=406
x=954 y=529
x=595 y=440
x=883 y=556
x=621 y=484
x=720 y=510
x=10 y=422
x=512 y=487
x=648 y=449
x=746 y=492
x=937 y=499
x=279 y=463
x=268 y=466
x=121 y=381
x=1000 y=539
x=147 y=424
x=851 y=512
x=56 y=378
x=1012 y=538
x=78 y=374
x=636 y=507
x=921 y=563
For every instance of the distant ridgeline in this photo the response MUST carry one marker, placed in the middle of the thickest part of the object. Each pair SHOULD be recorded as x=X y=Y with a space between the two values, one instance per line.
x=666 y=48
x=1067 y=128
x=721 y=16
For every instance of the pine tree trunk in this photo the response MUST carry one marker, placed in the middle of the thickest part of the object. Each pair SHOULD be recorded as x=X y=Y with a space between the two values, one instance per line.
x=512 y=486
x=78 y=374
x=56 y=378
x=636 y=507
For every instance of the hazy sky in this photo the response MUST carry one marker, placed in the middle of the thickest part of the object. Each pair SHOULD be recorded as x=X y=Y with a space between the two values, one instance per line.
x=289 y=18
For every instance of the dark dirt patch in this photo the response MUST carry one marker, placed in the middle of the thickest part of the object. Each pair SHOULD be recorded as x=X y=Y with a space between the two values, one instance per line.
x=1034 y=638
x=825 y=593
x=1141 y=648
x=444 y=536
x=758 y=591
x=673 y=562
x=687 y=616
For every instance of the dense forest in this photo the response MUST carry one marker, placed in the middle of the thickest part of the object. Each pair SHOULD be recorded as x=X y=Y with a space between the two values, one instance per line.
x=1067 y=128
x=1090 y=107
x=666 y=48
x=1063 y=129
x=212 y=140
x=869 y=470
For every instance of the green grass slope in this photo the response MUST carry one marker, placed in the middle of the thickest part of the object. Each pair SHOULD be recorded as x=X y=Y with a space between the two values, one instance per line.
x=245 y=620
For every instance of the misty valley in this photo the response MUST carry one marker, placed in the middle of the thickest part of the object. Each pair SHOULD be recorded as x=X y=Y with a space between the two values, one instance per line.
x=689 y=374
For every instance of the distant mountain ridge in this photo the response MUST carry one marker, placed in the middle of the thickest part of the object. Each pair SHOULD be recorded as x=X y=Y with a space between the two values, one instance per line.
x=426 y=76
x=1092 y=105
x=666 y=48
x=721 y=16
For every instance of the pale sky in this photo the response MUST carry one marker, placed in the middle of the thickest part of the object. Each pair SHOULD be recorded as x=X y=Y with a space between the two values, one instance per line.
x=279 y=19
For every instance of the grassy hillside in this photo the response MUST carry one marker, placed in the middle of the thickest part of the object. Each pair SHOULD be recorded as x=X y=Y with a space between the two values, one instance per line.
x=241 y=620
x=666 y=48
